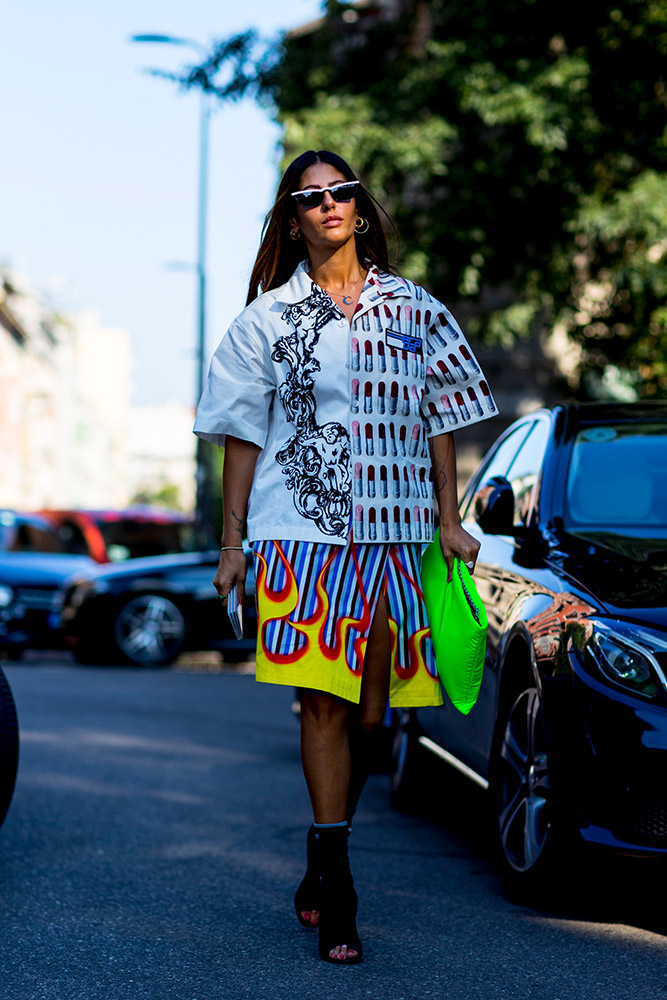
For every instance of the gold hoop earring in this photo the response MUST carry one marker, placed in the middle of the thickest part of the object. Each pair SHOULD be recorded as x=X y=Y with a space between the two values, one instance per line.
x=361 y=226
x=295 y=234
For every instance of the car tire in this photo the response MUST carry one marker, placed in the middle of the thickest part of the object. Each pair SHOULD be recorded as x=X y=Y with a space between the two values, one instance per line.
x=530 y=844
x=407 y=763
x=9 y=745
x=149 y=630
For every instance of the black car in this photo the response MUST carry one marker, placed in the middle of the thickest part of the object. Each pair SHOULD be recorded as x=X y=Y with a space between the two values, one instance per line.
x=570 y=730
x=147 y=611
x=34 y=564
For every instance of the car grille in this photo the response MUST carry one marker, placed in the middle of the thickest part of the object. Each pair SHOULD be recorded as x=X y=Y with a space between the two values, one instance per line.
x=34 y=597
x=644 y=818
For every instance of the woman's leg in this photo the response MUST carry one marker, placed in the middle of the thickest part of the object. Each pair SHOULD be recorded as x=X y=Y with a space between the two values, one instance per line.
x=325 y=738
x=377 y=666
x=330 y=733
x=365 y=719
x=325 y=754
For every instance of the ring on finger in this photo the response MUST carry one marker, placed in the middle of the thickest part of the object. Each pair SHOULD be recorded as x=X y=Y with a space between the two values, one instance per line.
x=470 y=565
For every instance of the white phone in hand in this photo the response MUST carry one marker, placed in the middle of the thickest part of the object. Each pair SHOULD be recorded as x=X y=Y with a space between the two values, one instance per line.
x=235 y=612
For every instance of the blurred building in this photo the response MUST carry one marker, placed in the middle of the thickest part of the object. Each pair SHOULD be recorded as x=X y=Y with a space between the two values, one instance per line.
x=161 y=449
x=64 y=404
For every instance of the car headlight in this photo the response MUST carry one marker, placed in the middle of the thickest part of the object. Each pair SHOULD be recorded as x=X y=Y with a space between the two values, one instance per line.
x=629 y=657
x=6 y=596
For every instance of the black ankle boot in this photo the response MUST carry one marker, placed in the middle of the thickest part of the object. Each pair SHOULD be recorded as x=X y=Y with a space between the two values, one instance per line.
x=338 y=897
x=307 y=896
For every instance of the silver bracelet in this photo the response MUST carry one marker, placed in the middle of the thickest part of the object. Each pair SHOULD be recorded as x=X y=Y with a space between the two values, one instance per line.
x=225 y=547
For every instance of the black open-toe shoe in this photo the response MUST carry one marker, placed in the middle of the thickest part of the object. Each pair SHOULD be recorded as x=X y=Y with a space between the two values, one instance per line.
x=337 y=924
x=307 y=896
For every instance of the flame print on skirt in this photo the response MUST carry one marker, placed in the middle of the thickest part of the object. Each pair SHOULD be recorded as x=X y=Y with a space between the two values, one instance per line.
x=416 y=657
x=418 y=649
x=280 y=604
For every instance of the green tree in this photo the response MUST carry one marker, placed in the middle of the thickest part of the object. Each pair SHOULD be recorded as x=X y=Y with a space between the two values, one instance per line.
x=168 y=495
x=519 y=147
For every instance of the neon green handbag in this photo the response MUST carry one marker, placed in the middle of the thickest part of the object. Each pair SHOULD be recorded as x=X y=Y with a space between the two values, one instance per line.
x=458 y=626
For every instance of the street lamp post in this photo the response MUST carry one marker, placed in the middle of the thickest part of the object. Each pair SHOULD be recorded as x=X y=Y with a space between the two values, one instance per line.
x=204 y=492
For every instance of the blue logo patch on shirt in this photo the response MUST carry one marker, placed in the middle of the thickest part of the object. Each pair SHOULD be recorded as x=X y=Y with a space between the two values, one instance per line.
x=404 y=343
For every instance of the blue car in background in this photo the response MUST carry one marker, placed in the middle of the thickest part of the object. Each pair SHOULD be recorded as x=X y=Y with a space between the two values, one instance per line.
x=34 y=564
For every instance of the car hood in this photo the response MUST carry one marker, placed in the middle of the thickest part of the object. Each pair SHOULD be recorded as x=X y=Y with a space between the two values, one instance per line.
x=626 y=573
x=39 y=569
x=150 y=566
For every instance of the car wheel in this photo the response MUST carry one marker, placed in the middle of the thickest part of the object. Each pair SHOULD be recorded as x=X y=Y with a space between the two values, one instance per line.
x=407 y=763
x=9 y=745
x=149 y=630
x=528 y=840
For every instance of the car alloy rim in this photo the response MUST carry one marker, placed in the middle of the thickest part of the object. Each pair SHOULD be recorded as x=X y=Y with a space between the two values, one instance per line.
x=523 y=786
x=149 y=628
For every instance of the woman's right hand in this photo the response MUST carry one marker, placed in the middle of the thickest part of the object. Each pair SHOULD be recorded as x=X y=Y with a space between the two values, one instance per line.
x=231 y=569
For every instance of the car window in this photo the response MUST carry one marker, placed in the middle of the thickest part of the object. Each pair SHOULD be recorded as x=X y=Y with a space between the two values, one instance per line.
x=31 y=536
x=73 y=537
x=500 y=461
x=524 y=471
x=617 y=477
x=128 y=538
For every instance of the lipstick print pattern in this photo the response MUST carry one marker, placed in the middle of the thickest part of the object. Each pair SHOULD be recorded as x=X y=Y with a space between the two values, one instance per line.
x=455 y=392
x=316 y=603
x=368 y=515
x=408 y=396
x=389 y=443
x=316 y=459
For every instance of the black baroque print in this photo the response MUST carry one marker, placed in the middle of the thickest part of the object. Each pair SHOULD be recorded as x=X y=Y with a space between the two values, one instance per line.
x=316 y=459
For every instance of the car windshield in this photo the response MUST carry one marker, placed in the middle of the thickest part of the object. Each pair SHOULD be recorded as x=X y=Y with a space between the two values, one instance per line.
x=129 y=538
x=617 y=478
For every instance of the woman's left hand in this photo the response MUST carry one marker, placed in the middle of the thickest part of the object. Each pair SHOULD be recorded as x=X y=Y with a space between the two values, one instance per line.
x=455 y=541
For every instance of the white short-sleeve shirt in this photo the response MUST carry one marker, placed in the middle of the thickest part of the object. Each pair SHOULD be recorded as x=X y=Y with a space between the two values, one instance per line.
x=342 y=412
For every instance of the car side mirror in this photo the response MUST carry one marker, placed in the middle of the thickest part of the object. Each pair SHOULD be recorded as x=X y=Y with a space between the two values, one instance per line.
x=493 y=507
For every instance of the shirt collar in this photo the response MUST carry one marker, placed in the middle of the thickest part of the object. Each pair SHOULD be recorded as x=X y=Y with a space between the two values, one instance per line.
x=378 y=286
x=297 y=288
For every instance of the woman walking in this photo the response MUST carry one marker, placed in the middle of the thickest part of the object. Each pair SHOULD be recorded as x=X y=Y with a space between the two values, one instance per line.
x=335 y=392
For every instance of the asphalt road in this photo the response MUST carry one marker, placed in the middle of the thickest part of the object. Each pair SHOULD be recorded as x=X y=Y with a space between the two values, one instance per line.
x=157 y=835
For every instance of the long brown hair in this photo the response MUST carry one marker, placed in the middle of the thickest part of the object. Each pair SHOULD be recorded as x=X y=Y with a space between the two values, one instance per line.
x=279 y=254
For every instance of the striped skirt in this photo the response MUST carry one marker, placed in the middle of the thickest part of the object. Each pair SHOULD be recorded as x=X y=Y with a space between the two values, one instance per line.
x=315 y=605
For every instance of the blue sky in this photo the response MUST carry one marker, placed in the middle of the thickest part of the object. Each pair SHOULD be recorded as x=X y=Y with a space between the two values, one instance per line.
x=98 y=170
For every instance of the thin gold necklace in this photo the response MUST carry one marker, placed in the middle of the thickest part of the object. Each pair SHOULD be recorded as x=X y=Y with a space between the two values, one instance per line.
x=347 y=300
